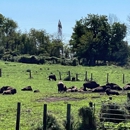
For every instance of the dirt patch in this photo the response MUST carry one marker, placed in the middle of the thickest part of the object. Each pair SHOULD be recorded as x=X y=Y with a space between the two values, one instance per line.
x=55 y=99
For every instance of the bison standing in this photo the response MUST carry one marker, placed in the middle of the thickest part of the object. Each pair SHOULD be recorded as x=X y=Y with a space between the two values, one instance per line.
x=61 y=87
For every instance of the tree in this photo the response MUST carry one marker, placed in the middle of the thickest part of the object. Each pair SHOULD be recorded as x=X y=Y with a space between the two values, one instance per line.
x=9 y=28
x=40 y=41
x=94 y=39
x=118 y=33
x=90 y=36
x=56 y=47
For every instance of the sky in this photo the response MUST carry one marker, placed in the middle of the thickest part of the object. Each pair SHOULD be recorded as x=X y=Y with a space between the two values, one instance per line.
x=45 y=14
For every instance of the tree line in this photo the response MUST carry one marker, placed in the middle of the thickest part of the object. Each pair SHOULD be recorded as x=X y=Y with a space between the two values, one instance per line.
x=94 y=41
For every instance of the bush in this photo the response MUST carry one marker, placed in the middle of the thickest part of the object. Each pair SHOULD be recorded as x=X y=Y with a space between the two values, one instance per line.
x=53 y=123
x=88 y=120
x=28 y=59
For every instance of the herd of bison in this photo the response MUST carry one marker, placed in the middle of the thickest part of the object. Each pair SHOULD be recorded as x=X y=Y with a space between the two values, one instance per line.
x=90 y=86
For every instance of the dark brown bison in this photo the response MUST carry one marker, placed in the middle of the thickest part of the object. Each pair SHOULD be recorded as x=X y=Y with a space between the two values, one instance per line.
x=6 y=88
x=2 y=89
x=72 y=89
x=113 y=86
x=111 y=92
x=90 y=85
x=126 y=87
x=52 y=77
x=9 y=91
x=99 y=89
x=61 y=87
x=28 y=88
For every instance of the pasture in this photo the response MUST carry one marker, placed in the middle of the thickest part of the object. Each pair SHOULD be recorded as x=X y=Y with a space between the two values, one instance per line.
x=16 y=75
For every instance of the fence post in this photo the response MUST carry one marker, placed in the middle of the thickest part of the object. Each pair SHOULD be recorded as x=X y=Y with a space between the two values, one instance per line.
x=68 y=116
x=92 y=106
x=128 y=97
x=123 y=78
x=76 y=77
x=107 y=77
x=44 y=117
x=30 y=75
x=86 y=76
x=60 y=75
x=18 y=116
x=0 y=72
x=91 y=76
x=69 y=76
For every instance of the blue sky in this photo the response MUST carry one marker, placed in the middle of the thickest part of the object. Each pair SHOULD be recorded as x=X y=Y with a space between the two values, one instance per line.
x=45 y=14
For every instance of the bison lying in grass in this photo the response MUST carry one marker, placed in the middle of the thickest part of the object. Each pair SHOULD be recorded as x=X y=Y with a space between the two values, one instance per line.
x=111 y=92
x=8 y=90
x=28 y=88
x=90 y=85
x=126 y=87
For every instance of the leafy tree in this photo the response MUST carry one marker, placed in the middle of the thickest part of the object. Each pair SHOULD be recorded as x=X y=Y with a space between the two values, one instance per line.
x=95 y=39
x=9 y=28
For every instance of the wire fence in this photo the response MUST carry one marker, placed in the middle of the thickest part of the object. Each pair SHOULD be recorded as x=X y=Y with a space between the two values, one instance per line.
x=68 y=75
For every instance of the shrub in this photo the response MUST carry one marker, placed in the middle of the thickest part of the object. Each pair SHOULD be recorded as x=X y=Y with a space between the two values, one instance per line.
x=53 y=123
x=28 y=59
x=88 y=120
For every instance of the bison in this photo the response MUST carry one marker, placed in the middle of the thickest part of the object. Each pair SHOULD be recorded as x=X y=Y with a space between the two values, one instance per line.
x=9 y=91
x=28 y=88
x=126 y=87
x=99 y=89
x=52 y=77
x=61 y=87
x=111 y=92
x=113 y=86
x=72 y=89
x=90 y=85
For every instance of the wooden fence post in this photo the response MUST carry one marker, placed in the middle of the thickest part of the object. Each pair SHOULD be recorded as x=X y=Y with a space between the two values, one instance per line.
x=107 y=77
x=30 y=75
x=60 y=75
x=69 y=75
x=76 y=77
x=91 y=76
x=68 y=117
x=44 y=117
x=18 y=116
x=123 y=78
x=86 y=78
x=0 y=72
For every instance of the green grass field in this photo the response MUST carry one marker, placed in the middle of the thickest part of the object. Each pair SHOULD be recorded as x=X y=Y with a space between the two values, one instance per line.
x=15 y=75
